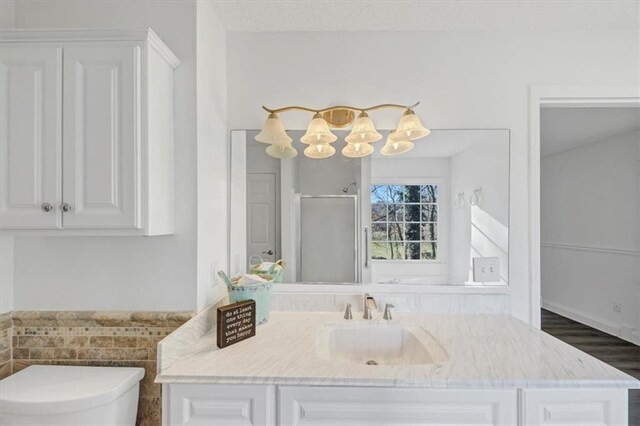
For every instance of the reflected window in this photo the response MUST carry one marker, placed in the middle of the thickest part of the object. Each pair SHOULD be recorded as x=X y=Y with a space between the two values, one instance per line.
x=404 y=222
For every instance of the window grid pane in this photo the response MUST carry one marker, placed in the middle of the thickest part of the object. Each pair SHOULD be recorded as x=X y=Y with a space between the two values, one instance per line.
x=404 y=222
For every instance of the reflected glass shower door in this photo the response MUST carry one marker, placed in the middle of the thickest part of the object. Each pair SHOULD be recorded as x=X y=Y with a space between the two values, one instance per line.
x=327 y=239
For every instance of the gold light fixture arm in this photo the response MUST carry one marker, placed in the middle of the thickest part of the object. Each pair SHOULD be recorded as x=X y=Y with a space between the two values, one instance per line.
x=338 y=107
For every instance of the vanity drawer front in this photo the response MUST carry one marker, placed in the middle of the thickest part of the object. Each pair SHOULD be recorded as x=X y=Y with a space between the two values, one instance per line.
x=228 y=405
x=606 y=407
x=395 y=406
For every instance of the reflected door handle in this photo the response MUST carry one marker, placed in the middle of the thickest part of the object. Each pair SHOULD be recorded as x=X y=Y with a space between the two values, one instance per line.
x=270 y=252
x=65 y=207
x=46 y=207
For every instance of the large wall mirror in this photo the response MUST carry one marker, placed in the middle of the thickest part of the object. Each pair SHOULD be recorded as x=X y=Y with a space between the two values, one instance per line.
x=436 y=215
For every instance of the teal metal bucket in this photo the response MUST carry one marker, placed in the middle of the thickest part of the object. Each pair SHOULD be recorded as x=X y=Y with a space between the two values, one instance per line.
x=260 y=292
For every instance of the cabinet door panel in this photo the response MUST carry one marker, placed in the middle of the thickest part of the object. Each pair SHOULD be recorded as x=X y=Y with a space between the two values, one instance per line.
x=395 y=406
x=229 y=405
x=30 y=136
x=579 y=407
x=102 y=136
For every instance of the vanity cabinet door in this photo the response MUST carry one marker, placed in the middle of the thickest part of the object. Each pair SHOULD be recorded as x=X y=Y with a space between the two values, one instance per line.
x=30 y=136
x=395 y=406
x=579 y=407
x=225 y=405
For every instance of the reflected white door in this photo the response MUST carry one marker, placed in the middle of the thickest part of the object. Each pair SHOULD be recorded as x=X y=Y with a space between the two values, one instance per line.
x=102 y=132
x=262 y=216
x=30 y=136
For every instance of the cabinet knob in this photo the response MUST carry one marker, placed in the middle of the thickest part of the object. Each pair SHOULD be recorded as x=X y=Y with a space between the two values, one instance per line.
x=65 y=207
x=46 y=207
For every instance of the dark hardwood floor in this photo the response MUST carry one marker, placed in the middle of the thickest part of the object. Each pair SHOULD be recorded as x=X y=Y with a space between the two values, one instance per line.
x=619 y=353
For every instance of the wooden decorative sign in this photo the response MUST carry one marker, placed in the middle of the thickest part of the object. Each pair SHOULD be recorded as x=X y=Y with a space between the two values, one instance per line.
x=236 y=322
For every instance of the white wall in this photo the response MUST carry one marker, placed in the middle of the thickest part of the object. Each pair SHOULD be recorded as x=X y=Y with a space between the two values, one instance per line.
x=135 y=273
x=212 y=155
x=590 y=221
x=7 y=13
x=464 y=80
x=6 y=274
x=482 y=230
x=7 y=16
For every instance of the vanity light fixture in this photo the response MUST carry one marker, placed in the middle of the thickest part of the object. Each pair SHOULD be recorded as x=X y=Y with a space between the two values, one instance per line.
x=273 y=132
x=396 y=146
x=318 y=132
x=282 y=151
x=357 y=149
x=410 y=127
x=319 y=150
x=363 y=133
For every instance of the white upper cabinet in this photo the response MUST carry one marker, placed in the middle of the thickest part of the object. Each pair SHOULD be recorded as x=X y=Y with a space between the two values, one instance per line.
x=92 y=138
x=30 y=136
x=101 y=175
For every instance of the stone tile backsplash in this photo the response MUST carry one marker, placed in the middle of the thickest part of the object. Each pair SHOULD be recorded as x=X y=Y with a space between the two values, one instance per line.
x=6 y=333
x=91 y=338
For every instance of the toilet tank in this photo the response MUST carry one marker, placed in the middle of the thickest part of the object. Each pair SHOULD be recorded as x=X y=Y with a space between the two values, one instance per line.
x=70 y=395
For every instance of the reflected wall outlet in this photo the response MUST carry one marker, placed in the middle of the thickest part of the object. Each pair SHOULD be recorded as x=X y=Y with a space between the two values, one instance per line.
x=486 y=269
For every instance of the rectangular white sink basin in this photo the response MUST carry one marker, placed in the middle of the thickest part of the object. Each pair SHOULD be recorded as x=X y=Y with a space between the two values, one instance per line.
x=377 y=343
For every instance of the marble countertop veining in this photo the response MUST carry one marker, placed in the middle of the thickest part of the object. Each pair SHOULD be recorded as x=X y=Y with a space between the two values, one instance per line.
x=484 y=351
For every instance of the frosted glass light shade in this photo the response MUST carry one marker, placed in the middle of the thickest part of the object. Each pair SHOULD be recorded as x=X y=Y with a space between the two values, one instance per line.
x=318 y=132
x=319 y=150
x=357 y=150
x=282 y=151
x=392 y=147
x=410 y=128
x=396 y=147
x=273 y=132
x=363 y=131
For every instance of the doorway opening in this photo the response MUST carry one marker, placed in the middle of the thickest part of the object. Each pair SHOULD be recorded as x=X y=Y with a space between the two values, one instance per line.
x=590 y=216
x=590 y=231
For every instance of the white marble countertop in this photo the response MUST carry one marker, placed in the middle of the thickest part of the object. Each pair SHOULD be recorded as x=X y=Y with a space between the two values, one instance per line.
x=484 y=351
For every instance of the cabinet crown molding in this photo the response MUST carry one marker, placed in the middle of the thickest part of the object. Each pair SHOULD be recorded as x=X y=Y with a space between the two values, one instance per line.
x=91 y=34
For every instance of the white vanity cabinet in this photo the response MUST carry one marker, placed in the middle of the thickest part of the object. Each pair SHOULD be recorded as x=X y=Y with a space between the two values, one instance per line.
x=87 y=132
x=575 y=407
x=229 y=405
x=267 y=405
x=306 y=405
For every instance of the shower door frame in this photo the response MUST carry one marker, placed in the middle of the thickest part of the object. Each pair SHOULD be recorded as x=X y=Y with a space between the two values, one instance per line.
x=356 y=240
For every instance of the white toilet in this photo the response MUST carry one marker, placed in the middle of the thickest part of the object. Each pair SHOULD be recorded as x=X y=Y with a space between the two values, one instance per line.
x=69 y=395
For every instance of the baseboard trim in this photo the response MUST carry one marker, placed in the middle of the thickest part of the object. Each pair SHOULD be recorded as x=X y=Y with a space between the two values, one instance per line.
x=591 y=321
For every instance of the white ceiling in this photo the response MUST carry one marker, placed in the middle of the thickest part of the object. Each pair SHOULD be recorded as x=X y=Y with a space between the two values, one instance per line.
x=567 y=128
x=426 y=15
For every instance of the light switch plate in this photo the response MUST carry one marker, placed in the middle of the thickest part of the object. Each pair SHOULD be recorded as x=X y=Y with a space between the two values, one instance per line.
x=486 y=269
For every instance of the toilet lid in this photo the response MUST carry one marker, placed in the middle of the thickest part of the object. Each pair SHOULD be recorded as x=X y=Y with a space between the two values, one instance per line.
x=51 y=389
